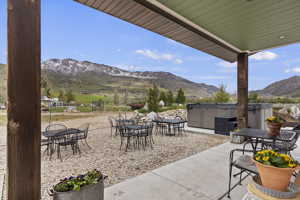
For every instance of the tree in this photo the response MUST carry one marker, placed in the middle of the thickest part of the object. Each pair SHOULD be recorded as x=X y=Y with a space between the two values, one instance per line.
x=222 y=96
x=61 y=95
x=180 y=99
x=116 y=98
x=163 y=97
x=153 y=99
x=69 y=96
x=48 y=92
x=170 y=98
x=253 y=98
x=126 y=97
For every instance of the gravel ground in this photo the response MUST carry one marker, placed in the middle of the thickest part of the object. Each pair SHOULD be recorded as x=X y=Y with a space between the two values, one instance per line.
x=106 y=156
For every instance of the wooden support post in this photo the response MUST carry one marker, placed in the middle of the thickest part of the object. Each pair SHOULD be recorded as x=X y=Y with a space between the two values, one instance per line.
x=242 y=93
x=24 y=104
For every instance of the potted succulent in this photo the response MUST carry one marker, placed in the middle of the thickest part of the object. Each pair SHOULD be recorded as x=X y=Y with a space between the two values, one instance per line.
x=88 y=186
x=274 y=124
x=275 y=169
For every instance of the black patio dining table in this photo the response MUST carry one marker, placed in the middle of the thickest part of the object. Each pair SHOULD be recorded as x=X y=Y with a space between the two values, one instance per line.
x=125 y=121
x=170 y=123
x=136 y=127
x=52 y=134
x=60 y=132
x=259 y=136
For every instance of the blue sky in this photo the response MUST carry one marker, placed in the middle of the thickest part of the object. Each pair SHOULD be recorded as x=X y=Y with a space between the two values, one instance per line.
x=70 y=30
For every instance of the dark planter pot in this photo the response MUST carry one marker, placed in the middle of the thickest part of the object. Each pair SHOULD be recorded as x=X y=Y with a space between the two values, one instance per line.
x=274 y=128
x=89 y=192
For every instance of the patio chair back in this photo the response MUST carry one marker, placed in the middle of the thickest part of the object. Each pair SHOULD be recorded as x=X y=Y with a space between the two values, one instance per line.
x=54 y=127
x=84 y=128
x=150 y=128
x=112 y=121
x=178 y=117
x=146 y=129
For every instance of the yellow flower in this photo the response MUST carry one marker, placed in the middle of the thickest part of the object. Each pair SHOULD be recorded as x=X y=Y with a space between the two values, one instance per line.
x=286 y=157
x=266 y=158
x=292 y=165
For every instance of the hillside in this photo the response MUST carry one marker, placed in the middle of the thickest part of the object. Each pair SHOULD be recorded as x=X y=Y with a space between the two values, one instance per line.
x=88 y=77
x=91 y=78
x=287 y=87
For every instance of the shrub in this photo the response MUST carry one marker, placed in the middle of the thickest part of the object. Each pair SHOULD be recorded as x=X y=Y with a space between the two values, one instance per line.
x=57 y=109
x=76 y=183
x=143 y=110
x=153 y=99
x=84 y=108
x=136 y=106
x=180 y=99
x=222 y=96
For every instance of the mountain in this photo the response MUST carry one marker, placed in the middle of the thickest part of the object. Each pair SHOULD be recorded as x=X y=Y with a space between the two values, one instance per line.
x=88 y=77
x=287 y=87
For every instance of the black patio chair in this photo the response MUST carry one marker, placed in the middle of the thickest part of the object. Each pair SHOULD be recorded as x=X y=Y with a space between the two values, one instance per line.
x=65 y=141
x=136 y=119
x=54 y=127
x=113 y=126
x=160 y=127
x=49 y=142
x=145 y=136
x=130 y=136
x=179 y=127
x=244 y=164
x=286 y=142
x=82 y=134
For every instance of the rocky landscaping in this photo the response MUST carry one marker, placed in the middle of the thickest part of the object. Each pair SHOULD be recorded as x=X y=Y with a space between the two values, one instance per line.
x=170 y=114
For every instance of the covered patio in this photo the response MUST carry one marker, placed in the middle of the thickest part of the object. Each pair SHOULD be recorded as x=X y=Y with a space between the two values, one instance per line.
x=230 y=30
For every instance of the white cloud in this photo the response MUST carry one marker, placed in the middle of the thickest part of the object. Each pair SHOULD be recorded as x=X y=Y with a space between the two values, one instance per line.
x=264 y=55
x=167 y=56
x=178 y=61
x=159 y=56
x=227 y=64
x=155 y=55
x=293 y=70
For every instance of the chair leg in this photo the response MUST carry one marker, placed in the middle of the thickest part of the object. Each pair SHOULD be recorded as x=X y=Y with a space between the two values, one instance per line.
x=240 y=182
x=150 y=141
x=58 y=153
x=73 y=149
x=128 y=143
x=87 y=144
x=121 y=143
x=229 y=184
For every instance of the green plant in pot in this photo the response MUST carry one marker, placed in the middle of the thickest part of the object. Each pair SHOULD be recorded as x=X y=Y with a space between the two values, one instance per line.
x=87 y=186
x=275 y=169
x=274 y=124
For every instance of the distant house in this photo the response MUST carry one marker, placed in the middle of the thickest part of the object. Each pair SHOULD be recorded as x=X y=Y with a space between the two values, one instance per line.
x=54 y=102
x=2 y=107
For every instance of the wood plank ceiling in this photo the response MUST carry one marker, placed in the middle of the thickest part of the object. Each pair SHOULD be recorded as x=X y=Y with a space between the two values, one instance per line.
x=220 y=28
x=136 y=13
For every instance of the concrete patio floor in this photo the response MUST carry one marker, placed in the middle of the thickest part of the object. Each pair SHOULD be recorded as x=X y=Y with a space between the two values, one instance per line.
x=203 y=176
